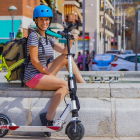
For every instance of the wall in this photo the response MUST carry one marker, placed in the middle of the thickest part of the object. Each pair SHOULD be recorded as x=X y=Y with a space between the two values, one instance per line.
x=5 y=4
x=24 y=7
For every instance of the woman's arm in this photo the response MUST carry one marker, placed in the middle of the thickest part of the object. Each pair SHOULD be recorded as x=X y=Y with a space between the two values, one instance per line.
x=33 y=50
x=64 y=50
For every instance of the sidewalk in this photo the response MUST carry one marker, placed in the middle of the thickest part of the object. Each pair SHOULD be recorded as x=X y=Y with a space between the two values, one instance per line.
x=8 y=137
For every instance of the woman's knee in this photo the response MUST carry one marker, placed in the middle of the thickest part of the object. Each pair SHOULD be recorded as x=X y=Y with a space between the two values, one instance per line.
x=65 y=86
x=65 y=58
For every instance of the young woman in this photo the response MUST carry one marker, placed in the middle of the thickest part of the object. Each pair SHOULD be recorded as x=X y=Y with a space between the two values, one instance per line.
x=36 y=74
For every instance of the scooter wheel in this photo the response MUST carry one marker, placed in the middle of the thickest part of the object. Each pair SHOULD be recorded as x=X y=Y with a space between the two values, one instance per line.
x=80 y=131
x=3 y=132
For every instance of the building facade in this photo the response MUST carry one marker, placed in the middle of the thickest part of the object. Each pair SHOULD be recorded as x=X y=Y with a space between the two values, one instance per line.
x=94 y=25
x=24 y=13
x=23 y=20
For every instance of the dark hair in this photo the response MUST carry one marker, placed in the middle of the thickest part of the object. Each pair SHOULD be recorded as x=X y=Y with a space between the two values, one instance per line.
x=79 y=53
x=87 y=51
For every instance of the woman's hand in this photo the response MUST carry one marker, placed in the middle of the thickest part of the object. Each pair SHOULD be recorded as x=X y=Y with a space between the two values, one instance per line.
x=75 y=37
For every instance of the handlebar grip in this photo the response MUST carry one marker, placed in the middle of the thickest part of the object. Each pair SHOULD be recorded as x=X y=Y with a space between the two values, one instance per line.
x=61 y=33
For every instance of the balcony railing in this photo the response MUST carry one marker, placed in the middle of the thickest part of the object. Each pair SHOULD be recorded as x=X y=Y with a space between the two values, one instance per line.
x=71 y=18
x=107 y=12
x=123 y=1
x=57 y=17
x=108 y=28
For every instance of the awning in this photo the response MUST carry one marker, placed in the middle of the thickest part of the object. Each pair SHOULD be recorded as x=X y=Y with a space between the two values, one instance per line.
x=6 y=28
x=60 y=6
x=79 y=14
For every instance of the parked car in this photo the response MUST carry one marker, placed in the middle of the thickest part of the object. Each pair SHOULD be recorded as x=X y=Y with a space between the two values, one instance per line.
x=102 y=62
x=125 y=63
x=127 y=52
x=113 y=52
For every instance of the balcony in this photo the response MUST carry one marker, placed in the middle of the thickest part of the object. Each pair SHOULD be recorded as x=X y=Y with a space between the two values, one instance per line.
x=108 y=16
x=123 y=1
x=71 y=18
x=56 y=21
x=109 y=2
x=108 y=30
x=72 y=2
x=107 y=27
x=57 y=17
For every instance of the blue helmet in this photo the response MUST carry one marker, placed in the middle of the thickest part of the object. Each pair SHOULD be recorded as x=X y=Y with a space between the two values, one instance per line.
x=42 y=11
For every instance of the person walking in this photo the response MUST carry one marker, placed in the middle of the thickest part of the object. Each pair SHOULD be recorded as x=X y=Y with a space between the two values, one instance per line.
x=87 y=60
x=79 y=60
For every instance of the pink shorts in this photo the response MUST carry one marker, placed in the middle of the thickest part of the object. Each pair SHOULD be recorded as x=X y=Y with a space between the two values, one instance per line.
x=34 y=81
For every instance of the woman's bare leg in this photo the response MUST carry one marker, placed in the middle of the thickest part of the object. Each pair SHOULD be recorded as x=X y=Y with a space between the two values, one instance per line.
x=76 y=71
x=48 y=82
x=61 y=61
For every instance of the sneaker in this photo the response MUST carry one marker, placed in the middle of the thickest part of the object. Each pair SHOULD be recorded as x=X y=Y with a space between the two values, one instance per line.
x=46 y=122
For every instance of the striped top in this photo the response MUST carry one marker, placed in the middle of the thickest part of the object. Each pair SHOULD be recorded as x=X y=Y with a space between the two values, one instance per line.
x=45 y=51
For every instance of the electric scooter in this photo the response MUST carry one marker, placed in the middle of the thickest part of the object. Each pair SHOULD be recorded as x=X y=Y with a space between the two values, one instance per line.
x=74 y=129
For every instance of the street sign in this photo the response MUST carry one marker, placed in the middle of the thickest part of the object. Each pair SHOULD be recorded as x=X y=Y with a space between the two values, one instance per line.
x=12 y=35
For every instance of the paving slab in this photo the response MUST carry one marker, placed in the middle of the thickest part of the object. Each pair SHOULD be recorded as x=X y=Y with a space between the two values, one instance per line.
x=95 y=114
x=108 y=138
x=129 y=138
x=9 y=137
x=127 y=117
x=125 y=90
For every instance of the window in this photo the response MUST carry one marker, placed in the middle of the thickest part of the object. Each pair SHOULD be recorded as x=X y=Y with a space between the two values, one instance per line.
x=131 y=58
x=138 y=59
x=68 y=9
x=126 y=58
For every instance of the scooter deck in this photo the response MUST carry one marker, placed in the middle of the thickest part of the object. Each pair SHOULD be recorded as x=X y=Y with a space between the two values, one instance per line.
x=31 y=128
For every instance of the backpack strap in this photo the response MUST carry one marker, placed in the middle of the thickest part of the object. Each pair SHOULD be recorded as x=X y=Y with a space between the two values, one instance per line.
x=50 y=40
x=26 y=62
x=39 y=37
x=39 y=42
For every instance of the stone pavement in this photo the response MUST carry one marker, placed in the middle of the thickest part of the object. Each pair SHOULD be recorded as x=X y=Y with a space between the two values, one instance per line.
x=9 y=137
x=113 y=109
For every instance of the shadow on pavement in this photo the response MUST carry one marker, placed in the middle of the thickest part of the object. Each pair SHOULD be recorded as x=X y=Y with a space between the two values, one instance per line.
x=32 y=138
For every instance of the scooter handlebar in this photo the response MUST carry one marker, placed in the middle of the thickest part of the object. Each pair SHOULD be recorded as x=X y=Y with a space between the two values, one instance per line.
x=61 y=33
